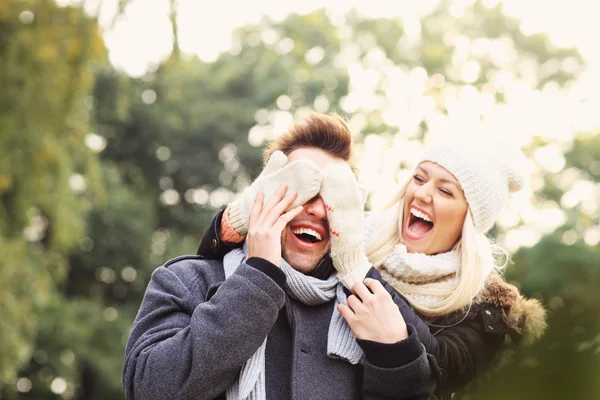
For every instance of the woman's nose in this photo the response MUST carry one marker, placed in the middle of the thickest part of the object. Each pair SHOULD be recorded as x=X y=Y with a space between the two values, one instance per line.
x=424 y=193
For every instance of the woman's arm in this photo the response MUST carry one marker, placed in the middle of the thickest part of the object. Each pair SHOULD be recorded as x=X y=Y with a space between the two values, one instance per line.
x=461 y=351
x=400 y=370
x=216 y=243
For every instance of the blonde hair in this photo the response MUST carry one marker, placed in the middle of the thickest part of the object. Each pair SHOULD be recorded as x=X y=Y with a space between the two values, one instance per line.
x=477 y=256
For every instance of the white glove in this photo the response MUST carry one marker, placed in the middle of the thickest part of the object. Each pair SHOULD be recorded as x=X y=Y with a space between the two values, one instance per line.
x=301 y=176
x=344 y=203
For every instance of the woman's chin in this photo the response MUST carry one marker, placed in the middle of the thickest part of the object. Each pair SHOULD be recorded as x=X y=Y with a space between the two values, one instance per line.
x=417 y=243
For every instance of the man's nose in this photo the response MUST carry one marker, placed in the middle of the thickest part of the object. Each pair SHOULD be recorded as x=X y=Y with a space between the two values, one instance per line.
x=315 y=207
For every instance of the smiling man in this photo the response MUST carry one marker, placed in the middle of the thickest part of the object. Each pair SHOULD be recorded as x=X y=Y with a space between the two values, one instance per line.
x=305 y=240
x=269 y=320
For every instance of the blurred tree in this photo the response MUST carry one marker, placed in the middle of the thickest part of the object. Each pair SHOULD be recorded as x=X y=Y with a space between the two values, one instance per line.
x=474 y=47
x=177 y=144
x=48 y=53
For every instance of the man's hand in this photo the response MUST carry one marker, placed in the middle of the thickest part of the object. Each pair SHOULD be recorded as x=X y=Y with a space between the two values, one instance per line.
x=344 y=203
x=372 y=314
x=301 y=176
x=266 y=223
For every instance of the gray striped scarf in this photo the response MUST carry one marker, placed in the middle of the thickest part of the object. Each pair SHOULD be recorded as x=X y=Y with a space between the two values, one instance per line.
x=341 y=342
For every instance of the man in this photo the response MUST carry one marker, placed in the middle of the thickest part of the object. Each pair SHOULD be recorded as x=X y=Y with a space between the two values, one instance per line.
x=269 y=320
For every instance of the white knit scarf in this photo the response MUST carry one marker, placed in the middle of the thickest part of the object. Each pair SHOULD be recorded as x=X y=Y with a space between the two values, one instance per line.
x=341 y=342
x=406 y=270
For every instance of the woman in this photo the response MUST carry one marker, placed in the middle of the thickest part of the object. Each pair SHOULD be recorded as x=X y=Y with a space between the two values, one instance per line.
x=430 y=245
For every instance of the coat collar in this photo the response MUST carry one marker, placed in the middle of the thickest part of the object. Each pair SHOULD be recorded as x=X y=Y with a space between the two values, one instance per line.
x=324 y=269
x=525 y=316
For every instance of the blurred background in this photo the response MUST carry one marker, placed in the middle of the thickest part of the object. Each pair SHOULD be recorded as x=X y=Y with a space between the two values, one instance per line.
x=126 y=124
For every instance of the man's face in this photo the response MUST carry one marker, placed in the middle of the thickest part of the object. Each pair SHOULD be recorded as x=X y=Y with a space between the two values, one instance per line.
x=305 y=240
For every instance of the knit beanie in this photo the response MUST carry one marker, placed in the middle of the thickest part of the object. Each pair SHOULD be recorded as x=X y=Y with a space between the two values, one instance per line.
x=487 y=170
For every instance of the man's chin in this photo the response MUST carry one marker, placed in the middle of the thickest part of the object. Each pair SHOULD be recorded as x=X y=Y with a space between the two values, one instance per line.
x=302 y=262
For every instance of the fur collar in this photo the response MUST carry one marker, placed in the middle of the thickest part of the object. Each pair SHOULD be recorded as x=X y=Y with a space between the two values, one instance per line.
x=525 y=316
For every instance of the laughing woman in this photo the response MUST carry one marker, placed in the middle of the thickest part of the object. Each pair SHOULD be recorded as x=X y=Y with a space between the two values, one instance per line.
x=430 y=244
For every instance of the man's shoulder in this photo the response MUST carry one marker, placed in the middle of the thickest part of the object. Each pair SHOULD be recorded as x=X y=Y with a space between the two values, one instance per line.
x=192 y=261
x=194 y=270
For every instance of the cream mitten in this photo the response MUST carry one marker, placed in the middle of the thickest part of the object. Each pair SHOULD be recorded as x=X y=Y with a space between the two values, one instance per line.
x=344 y=204
x=301 y=176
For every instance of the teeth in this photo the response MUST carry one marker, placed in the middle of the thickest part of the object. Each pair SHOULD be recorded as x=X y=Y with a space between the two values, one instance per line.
x=308 y=232
x=419 y=214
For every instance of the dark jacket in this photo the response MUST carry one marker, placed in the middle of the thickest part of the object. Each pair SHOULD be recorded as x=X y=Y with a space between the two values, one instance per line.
x=463 y=343
x=195 y=329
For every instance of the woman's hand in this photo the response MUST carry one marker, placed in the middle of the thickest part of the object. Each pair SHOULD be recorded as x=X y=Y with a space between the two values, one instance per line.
x=303 y=177
x=372 y=313
x=344 y=204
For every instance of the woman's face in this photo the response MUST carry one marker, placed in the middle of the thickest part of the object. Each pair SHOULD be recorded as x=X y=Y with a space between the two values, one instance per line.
x=435 y=208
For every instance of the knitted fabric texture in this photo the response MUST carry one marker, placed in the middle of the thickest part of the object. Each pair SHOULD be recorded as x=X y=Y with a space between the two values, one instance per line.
x=404 y=270
x=344 y=204
x=226 y=231
x=341 y=341
x=487 y=171
x=302 y=177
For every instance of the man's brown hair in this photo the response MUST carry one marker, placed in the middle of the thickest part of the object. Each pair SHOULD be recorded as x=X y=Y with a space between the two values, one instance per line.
x=326 y=132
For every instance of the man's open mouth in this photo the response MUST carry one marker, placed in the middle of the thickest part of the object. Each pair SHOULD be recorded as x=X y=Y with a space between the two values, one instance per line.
x=307 y=235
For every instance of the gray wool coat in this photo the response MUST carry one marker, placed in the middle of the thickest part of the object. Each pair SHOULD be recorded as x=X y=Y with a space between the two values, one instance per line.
x=195 y=330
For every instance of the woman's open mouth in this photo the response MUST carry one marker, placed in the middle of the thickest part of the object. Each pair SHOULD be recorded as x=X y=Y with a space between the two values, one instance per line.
x=419 y=224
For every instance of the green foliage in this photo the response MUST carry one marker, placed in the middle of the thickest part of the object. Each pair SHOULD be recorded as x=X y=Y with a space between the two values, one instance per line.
x=47 y=53
x=584 y=156
x=179 y=143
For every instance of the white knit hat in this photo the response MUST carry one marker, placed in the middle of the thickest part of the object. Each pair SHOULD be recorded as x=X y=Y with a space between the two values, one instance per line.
x=486 y=169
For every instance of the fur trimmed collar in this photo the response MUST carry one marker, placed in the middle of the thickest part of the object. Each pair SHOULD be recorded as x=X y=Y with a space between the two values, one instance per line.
x=526 y=316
